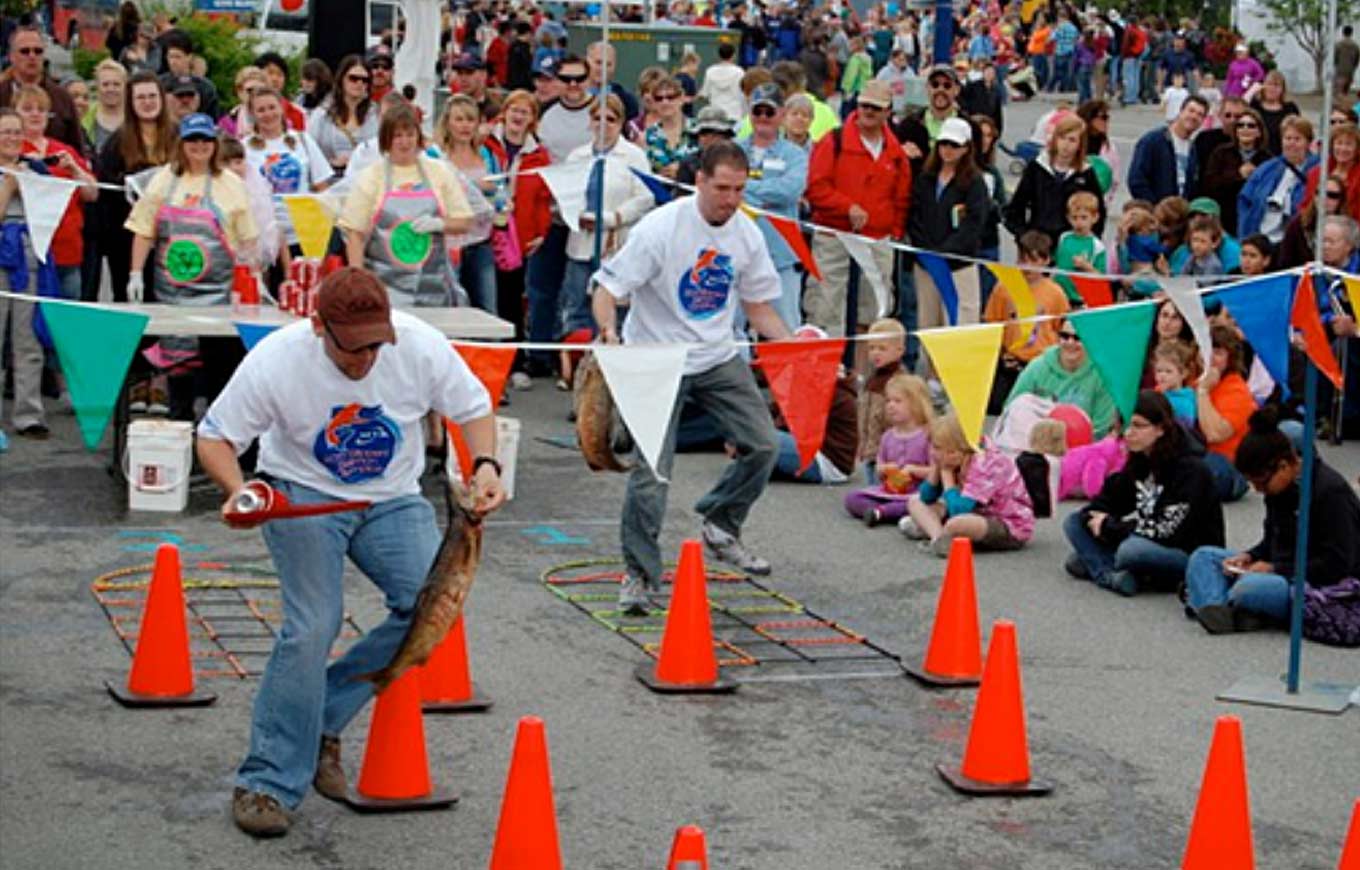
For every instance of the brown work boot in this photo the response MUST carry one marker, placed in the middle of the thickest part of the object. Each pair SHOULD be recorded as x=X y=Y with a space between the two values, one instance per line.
x=330 y=775
x=258 y=814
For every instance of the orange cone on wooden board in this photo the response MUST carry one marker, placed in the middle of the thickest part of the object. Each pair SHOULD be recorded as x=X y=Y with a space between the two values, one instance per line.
x=1220 y=833
x=395 y=776
x=162 y=673
x=688 y=850
x=446 y=679
x=687 y=663
x=526 y=835
x=954 y=656
x=996 y=760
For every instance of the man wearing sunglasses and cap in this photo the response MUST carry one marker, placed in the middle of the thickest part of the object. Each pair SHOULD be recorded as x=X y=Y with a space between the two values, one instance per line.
x=337 y=403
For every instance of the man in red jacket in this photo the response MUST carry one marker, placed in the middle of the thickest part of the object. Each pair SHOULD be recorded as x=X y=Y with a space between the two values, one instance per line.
x=859 y=181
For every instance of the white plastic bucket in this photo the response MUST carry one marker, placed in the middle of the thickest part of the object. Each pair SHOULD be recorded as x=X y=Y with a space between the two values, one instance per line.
x=507 y=452
x=157 y=464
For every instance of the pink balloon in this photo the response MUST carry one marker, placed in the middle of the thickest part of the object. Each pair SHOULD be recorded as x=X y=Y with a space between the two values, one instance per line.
x=1079 y=429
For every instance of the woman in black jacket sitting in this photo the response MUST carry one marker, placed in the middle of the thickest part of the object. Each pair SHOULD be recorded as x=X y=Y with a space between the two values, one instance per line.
x=1040 y=199
x=1242 y=591
x=948 y=212
x=1150 y=516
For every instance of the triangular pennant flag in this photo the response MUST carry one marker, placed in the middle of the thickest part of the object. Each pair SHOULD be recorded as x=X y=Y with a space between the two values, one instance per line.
x=1116 y=340
x=312 y=221
x=802 y=378
x=1261 y=310
x=1095 y=292
x=644 y=380
x=1022 y=298
x=859 y=252
x=1352 y=291
x=661 y=191
x=1304 y=317
x=940 y=273
x=567 y=183
x=965 y=360
x=490 y=364
x=1185 y=296
x=45 y=199
x=790 y=232
x=251 y=333
x=95 y=346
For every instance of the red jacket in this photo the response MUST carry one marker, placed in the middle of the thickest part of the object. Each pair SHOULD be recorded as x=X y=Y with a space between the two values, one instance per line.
x=881 y=187
x=533 y=200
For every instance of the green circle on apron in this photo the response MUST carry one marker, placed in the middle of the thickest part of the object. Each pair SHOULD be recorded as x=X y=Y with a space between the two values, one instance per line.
x=185 y=261
x=408 y=246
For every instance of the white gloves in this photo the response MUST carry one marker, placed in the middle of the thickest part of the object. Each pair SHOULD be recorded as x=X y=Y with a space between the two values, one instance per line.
x=430 y=223
x=135 y=288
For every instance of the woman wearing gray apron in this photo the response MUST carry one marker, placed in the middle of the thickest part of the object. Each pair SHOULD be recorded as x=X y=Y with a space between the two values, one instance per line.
x=195 y=215
x=398 y=214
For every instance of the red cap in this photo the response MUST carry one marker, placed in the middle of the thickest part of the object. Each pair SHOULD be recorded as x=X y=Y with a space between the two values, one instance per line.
x=354 y=306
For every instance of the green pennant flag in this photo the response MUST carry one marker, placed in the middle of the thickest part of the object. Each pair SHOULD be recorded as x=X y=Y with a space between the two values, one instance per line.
x=95 y=346
x=1116 y=340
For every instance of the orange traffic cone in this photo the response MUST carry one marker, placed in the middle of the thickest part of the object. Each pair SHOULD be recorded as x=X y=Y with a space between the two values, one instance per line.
x=954 y=657
x=687 y=664
x=1220 y=834
x=162 y=674
x=446 y=681
x=396 y=771
x=688 y=852
x=526 y=835
x=996 y=761
x=1350 y=850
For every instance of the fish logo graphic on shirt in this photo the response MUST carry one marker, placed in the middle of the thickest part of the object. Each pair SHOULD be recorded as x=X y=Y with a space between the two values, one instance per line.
x=283 y=171
x=705 y=286
x=357 y=443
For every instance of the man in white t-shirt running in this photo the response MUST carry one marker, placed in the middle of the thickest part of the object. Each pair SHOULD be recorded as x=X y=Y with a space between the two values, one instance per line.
x=339 y=416
x=683 y=271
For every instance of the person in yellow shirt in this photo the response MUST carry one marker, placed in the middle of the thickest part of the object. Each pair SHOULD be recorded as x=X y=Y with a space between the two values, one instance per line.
x=1022 y=342
x=398 y=213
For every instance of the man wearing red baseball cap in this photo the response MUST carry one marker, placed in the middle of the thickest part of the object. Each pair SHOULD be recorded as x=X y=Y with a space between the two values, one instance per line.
x=338 y=405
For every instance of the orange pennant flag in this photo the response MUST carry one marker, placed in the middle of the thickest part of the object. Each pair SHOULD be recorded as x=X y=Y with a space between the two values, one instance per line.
x=790 y=232
x=1304 y=317
x=1095 y=292
x=491 y=365
x=802 y=378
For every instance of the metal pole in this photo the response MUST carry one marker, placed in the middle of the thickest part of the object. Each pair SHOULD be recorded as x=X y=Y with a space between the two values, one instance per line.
x=597 y=207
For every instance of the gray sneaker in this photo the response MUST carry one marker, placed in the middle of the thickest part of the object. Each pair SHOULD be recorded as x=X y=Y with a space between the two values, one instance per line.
x=908 y=527
x=258 y=814
x=726 y=547
x=942 y=545
x=633 y=599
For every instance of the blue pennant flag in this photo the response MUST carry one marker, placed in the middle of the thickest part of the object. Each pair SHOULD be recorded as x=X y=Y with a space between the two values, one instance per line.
x=940 y=273
x=1261 y=308
x=661 y=191
x=251 y=333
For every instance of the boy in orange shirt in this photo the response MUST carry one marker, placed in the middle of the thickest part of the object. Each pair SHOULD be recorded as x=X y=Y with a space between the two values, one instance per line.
x=1022 y=342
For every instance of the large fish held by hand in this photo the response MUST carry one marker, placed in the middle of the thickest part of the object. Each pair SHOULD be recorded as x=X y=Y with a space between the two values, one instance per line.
x=599 y=428
x=450 y=578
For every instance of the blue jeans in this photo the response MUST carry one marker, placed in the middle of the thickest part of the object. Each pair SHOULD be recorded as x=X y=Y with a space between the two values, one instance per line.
x=790 y=301
x=301 y=697
x=1040 y=64
x=787 y=464
x=1132 y=68
x=1083 y=84
x=1062 y=73
x=728 y=393
x=1229 y=482
x=1149 y=561
x=543 y=277
x=575 y=299
x=1264 y=594
x=477 y=274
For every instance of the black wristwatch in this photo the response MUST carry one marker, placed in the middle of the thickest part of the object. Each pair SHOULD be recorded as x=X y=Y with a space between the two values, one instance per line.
x=486 y=460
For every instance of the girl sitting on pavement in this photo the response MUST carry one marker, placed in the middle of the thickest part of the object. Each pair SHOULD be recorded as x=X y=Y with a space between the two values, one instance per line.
x=969 y=493
x=903 y=458
x=1172 y=370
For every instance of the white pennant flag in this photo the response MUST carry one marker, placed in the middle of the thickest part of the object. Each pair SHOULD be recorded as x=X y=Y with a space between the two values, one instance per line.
x=135 y=185
x=644 y=380
x=861 y=253
x=45 y=200
x=1184 y=294
x=567 y=183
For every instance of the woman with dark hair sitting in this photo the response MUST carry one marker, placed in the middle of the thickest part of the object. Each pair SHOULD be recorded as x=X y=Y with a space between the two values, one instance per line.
x=1244 y=591
x=1149 y=516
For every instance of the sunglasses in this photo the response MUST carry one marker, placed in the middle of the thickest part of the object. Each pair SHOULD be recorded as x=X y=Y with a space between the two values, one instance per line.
x=384 y=65
x=358 y=79
x=940 y=84
x=1247 y=125
x=1335 y=194
x=190 y=140
x=664 y=98
x=375 y=346
x=31 y=52
x=1103 y=116
x=763 y=112
x=871 y=107
x=1069 y=336
x=571 y=80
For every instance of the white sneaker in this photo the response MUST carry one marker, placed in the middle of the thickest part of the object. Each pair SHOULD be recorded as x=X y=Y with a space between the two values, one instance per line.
x=908 y=527
x=521 y=381
x=633 y=596
x=728 y=548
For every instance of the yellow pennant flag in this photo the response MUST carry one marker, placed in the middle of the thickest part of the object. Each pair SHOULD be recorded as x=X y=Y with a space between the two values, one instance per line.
x=965 y=359
x=312 y=221
x=1014 y=281
x=1353 y=291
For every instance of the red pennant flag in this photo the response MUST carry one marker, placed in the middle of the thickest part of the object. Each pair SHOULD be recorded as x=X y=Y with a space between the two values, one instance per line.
x=1095 y=292
x=802 y=378
x=1304 y=317
x=793 y=234
x=491 y=365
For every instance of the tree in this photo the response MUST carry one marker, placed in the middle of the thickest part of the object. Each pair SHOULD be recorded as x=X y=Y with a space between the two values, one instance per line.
x=1306 y=21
